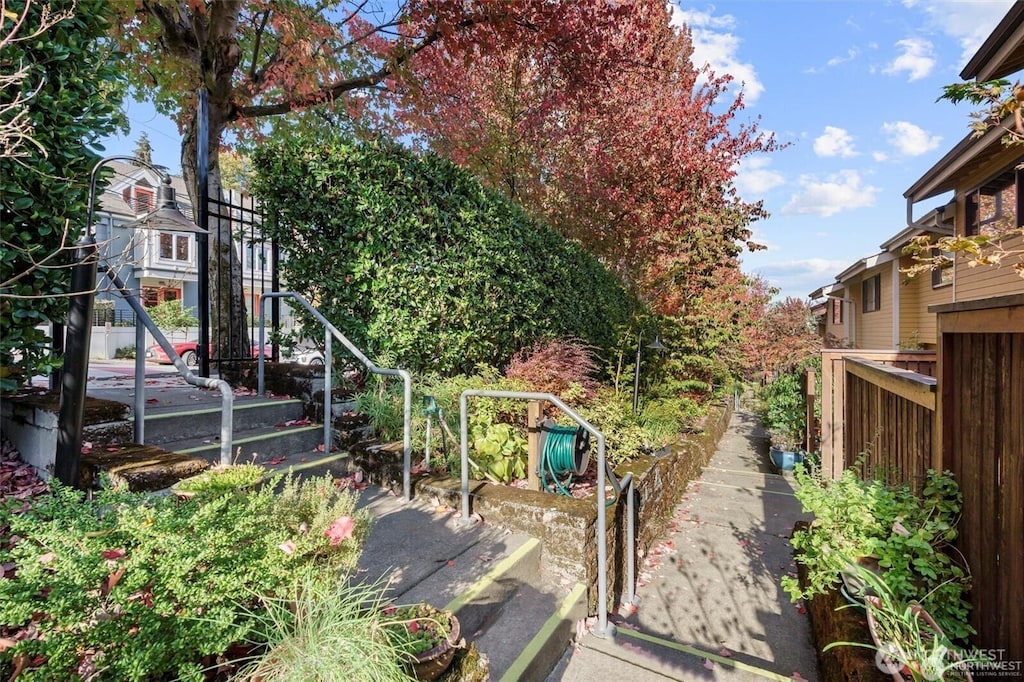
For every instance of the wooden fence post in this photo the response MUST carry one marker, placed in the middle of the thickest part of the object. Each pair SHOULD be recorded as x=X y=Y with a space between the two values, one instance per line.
x=534 y=413
x=809 y=398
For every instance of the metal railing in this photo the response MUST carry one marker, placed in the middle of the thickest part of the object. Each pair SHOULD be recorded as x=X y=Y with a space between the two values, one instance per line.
x=330 y=332
x=604 y=629
x=227 y=395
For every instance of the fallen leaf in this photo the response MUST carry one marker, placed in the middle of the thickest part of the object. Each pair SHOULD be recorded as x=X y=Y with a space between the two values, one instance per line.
x=725 y=652
x=709 y=664
x=288 y=547
x=451 y=563
x=275 y=460
x=47 y=558
x=112 y=554
x=340 y=529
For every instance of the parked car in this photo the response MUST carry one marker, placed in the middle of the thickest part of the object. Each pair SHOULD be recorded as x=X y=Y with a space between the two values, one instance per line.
x=189 y=352
x=308 y=356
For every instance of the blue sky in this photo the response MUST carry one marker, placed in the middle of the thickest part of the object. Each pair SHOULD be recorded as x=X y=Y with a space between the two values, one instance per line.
x=850 y=86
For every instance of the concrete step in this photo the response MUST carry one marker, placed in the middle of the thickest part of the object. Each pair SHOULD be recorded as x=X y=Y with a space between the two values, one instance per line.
x=490 y=578
x=255 y=444
x=171 y=424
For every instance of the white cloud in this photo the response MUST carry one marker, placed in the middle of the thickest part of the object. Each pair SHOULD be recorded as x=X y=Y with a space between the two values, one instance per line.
x=834 y=142
x=799 y=277
x=909 y=139
x=968 y=22
x=715 y=45
x=754 y=177
x=851 y=54
x=842 y=191
x=880 y=156
x=917 y=59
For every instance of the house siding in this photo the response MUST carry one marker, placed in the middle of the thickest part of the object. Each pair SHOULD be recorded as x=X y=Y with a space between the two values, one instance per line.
x=986 y=281
x=916 y=323
x=872 y=330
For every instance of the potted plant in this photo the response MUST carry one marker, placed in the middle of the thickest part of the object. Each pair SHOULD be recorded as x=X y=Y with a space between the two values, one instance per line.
x=426 y=636
x=908 y=641
x=785 y=451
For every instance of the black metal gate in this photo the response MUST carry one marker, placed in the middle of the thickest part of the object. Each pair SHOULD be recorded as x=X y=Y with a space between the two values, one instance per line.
x=246 y=271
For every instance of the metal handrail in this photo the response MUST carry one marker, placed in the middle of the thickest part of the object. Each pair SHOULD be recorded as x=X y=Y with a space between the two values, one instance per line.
x=227 y=395
x=329 y=330
x=604 y=629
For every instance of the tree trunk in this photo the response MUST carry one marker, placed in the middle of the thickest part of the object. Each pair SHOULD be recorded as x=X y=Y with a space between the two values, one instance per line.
x=220 y=56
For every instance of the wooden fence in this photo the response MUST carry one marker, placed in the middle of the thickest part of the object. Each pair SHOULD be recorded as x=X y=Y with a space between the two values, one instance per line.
x=838 y=451
x=981 y=426
x=960 y=409
x=890 y=421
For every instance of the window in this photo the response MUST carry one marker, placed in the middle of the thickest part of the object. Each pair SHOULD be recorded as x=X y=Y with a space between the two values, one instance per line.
x=153 y=295
x=994 y=207
x=943 y=274
x=837 y=310
x=143 y=200
x=871 y=293
x=174 y=246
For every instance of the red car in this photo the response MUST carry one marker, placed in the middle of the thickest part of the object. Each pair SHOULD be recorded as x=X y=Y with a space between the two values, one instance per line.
x=189 y=352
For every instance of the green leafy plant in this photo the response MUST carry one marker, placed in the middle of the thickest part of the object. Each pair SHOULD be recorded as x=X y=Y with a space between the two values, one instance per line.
x=172 y=316
x=501 y=451
x=134 y=587
x=125 y=352
x=783 y=409
x=324 y=629
x=909 y=535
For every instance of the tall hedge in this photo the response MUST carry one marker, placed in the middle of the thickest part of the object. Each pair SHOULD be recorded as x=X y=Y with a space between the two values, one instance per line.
x=72 y=101
x=409 y=255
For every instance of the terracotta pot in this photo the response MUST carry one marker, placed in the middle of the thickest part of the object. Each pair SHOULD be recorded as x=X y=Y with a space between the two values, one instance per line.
x=429 y=665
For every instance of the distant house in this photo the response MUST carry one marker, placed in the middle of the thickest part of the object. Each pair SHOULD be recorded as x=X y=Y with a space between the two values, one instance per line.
x=161 y=265
x=874 y=305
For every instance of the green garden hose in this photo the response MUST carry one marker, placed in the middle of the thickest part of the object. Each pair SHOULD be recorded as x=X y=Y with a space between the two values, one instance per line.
x=563 y=455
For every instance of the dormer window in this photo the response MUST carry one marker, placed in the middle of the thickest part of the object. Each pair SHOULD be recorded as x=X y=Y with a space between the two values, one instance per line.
x=143 y=200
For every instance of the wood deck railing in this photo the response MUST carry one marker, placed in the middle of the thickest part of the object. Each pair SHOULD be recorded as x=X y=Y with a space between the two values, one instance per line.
x=871 y=403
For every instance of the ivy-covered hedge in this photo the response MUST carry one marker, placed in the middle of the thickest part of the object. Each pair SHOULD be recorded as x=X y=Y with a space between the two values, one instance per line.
x=70 y=98
x=411 y=257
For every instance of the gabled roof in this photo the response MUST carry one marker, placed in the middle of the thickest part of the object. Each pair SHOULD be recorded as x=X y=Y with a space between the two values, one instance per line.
x=110 y=200
x=865 y=264
x=1002 y=53
x=825 y=291
x=968 y=155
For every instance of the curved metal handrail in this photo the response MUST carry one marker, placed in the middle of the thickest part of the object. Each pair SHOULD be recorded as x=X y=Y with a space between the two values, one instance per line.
x=331 y=331
x=603 y=628
x=227 y=395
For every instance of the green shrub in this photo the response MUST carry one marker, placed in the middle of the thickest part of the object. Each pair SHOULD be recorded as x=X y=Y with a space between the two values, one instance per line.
x=783 y=409
x=137 y=588
x=125 y=353
x=410 y=255
x=908 y=534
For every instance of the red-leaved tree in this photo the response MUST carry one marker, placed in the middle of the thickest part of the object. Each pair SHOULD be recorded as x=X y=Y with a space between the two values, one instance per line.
x=635 y=160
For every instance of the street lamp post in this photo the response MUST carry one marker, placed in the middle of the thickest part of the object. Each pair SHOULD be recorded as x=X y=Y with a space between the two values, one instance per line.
x=74 y=375
x=656 y=345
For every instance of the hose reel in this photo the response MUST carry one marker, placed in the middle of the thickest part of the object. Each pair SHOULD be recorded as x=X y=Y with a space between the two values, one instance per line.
x=564 y=453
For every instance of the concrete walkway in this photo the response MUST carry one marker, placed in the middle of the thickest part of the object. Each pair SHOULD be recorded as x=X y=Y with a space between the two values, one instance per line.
x=711 y=607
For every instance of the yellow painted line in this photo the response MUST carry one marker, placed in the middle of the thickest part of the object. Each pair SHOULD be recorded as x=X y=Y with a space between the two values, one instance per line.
x=741 y=471
x=210 y=410
x=319 y=461
x=740 y=487
x=721 y=660
x=251 y=439
x=532 y=650
x=491 y=576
